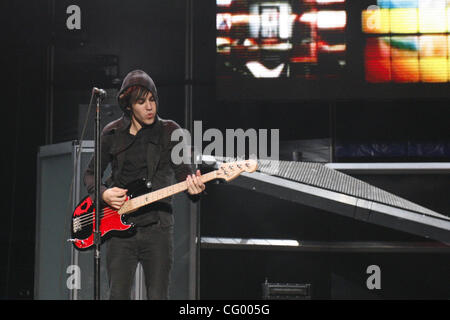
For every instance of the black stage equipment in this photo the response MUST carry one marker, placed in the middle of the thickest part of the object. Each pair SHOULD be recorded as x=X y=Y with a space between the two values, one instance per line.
x=286 y=291
x=322 y=187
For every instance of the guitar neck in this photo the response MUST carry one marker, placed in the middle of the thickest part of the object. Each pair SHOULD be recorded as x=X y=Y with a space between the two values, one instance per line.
x=146 y=199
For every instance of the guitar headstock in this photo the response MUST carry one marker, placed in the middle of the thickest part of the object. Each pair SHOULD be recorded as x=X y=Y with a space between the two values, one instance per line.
x=231 y=170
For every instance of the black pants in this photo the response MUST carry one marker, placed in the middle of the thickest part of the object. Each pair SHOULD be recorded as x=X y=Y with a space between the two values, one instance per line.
x=152 y=246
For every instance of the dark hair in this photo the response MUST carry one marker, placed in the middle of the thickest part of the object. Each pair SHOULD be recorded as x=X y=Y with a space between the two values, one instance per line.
x=131 y=96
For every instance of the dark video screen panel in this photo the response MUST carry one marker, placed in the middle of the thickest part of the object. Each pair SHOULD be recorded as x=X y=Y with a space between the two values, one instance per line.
x=332 y=49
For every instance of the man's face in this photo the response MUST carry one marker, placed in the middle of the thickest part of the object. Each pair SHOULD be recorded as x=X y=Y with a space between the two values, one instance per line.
x=144 y=109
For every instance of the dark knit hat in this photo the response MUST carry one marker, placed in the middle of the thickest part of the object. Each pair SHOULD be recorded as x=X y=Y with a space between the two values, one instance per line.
x=133 y=79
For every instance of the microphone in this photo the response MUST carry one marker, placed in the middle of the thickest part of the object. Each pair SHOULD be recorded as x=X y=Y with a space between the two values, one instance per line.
x=100 y=92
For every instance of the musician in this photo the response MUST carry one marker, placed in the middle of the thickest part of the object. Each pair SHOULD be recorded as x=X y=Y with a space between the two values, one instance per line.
x=138 y=145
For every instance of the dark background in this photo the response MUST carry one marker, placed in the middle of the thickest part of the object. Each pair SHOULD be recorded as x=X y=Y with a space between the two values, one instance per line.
x=118 y=36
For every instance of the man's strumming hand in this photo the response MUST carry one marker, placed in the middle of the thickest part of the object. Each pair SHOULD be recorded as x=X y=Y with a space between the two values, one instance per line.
x=115 y=197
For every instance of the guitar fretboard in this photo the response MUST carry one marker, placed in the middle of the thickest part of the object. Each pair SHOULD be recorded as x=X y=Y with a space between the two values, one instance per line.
x=146 y=199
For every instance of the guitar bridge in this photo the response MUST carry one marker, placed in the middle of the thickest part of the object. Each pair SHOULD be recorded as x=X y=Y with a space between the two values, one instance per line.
x=76 y=224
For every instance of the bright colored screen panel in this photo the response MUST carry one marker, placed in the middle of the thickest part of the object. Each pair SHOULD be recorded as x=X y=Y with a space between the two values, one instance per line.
x=407 y=41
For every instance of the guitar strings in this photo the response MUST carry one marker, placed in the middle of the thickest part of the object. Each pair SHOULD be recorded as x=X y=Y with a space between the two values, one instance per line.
x=92 y=214
x=86 y=219
x=89 y=219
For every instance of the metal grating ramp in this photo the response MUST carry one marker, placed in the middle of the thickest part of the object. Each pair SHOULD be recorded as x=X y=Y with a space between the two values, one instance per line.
x=316 y=185
x=318 y=175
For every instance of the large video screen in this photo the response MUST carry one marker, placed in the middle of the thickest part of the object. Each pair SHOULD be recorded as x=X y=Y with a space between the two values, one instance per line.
x=327 y=49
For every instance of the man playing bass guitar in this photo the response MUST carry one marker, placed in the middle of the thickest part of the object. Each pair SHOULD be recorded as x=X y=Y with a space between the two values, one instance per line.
x=138 y=146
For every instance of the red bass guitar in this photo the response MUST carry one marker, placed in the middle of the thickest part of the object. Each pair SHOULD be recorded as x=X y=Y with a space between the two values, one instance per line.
x=83 y=217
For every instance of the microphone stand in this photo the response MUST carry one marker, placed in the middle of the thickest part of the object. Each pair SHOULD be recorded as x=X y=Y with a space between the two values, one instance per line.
x=97 y=174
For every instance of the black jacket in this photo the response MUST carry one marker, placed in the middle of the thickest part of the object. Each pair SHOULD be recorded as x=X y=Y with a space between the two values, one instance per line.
x=161 y=171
